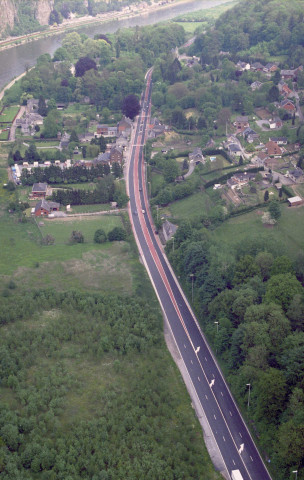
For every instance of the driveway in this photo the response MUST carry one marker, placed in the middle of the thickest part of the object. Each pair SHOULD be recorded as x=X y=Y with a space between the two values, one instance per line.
x=12 y=134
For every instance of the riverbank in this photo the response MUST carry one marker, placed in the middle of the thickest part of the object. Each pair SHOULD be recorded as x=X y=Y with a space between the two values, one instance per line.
x=75 y=23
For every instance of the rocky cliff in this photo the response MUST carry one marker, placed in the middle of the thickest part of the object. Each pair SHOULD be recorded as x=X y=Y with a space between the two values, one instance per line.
x=9 y=16
x=43 y=10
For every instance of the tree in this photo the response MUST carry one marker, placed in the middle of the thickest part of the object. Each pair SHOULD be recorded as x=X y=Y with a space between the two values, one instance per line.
x=270 y=393
x=42 y=108
x=74 y=137
x=76 y=237
x=244 y=269
x=282 y=288
x=130 y=107
x=273 y=94
x=117 y=234
x=100 y=236
x=83 y=65
x=266 y=196
x=274 y=209
x=48 y=240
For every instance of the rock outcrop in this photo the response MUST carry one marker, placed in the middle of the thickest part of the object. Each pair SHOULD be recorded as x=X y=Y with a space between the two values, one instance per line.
x=7 y=16
x=43 y=10
x=9 y=12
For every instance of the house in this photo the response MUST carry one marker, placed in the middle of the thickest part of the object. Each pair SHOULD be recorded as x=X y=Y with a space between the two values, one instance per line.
x=44 y=207
x=116 y=154
x=241 y=123
x=234 y=149
x=284 y=88
x=122 y=141
x=257 y=67
x=196 y=156
x=86 y=137
x=242 y=66
x=168 y=229
x=156 y=128
x=124 y=126
x=103 y=158
x=102 y=129
x=288 y=105
x=270 y=67
x=273 y=149
x=279 y=140
x=296 y=175
x=65 y=140
x=275 y=123
x=293 y=201
x=32 y=105
x=240 y=179
x=288 y=74
x=260 y=159
x=39 y=190
x=28 y=122
x=256 y=85
x=250 y=135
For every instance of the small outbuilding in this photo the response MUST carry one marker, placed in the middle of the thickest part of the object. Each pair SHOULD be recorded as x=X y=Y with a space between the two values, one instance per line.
x=294 y=201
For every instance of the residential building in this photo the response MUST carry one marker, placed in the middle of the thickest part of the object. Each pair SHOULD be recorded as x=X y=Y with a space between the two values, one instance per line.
x=168 y=229
x=273 y=149
x=241 y=123
x=256 y=85
x=279 y=140
x=116 y=154
x=124 y=126
x=296 y=175
x=288 y=105
x=45 y=207
x=39 y=190
x=196 y=156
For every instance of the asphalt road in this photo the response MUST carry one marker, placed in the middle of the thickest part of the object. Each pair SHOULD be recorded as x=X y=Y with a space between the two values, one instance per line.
x=230 y=433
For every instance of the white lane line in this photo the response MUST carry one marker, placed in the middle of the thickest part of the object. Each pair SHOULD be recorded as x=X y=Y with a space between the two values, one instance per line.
x=233 y=462
x=214 y=416
x=199 y=379
x=224 y=438
x=185 y=346
x=251 y=458
x=206 y=397
x=230 y=413
x=213 y=375
x=206 y=359
x=240 y=434
x=222 y=394
x=191 y=362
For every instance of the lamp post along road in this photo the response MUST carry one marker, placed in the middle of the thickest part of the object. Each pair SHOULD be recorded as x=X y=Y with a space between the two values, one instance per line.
x=296 y=472
x=249 y=386
x=192 y=277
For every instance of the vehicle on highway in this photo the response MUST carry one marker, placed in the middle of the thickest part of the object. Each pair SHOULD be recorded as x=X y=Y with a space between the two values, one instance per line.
x=236 y=475
x=143 y=211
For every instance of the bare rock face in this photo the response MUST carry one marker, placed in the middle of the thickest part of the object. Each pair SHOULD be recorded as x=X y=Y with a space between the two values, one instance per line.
x=43 y=10
x=7 y=15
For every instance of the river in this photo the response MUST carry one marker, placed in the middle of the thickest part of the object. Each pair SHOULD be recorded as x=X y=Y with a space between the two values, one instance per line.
x=15 y=60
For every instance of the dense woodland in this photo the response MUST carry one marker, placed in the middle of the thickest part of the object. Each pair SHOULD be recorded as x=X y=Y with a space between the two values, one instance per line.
x=255 y=293
x=133 y=425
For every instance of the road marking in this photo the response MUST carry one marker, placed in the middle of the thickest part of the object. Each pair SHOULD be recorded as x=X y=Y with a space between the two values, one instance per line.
x=224 y=438
x=213 y=375
x=197 y=350
x=240 y=434
x=251 y=458
x=214 y=416
x=191 y=362
x=211 y=383
x=233 y=462
x=206 y=359
x=206 y=397
x=222 y=394
x=199 y=379
x=185 y=346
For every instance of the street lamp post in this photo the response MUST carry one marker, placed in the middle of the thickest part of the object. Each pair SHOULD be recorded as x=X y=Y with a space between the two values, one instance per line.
x=296 y=472
x=192 y=277
x=173 y=242
x=249 y=386
x=217 y=325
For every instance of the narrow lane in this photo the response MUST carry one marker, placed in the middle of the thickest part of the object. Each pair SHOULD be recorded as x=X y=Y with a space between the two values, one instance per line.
x=230 y=434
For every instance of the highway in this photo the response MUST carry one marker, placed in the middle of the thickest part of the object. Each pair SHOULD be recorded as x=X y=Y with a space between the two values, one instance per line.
x=230 y=433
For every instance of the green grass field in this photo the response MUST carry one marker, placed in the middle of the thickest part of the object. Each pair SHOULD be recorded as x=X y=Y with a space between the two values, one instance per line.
x=8 y=114
x=191 y=207
x=61 y=229
x=4 y=135
x=110 y=267
x=289 y=228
